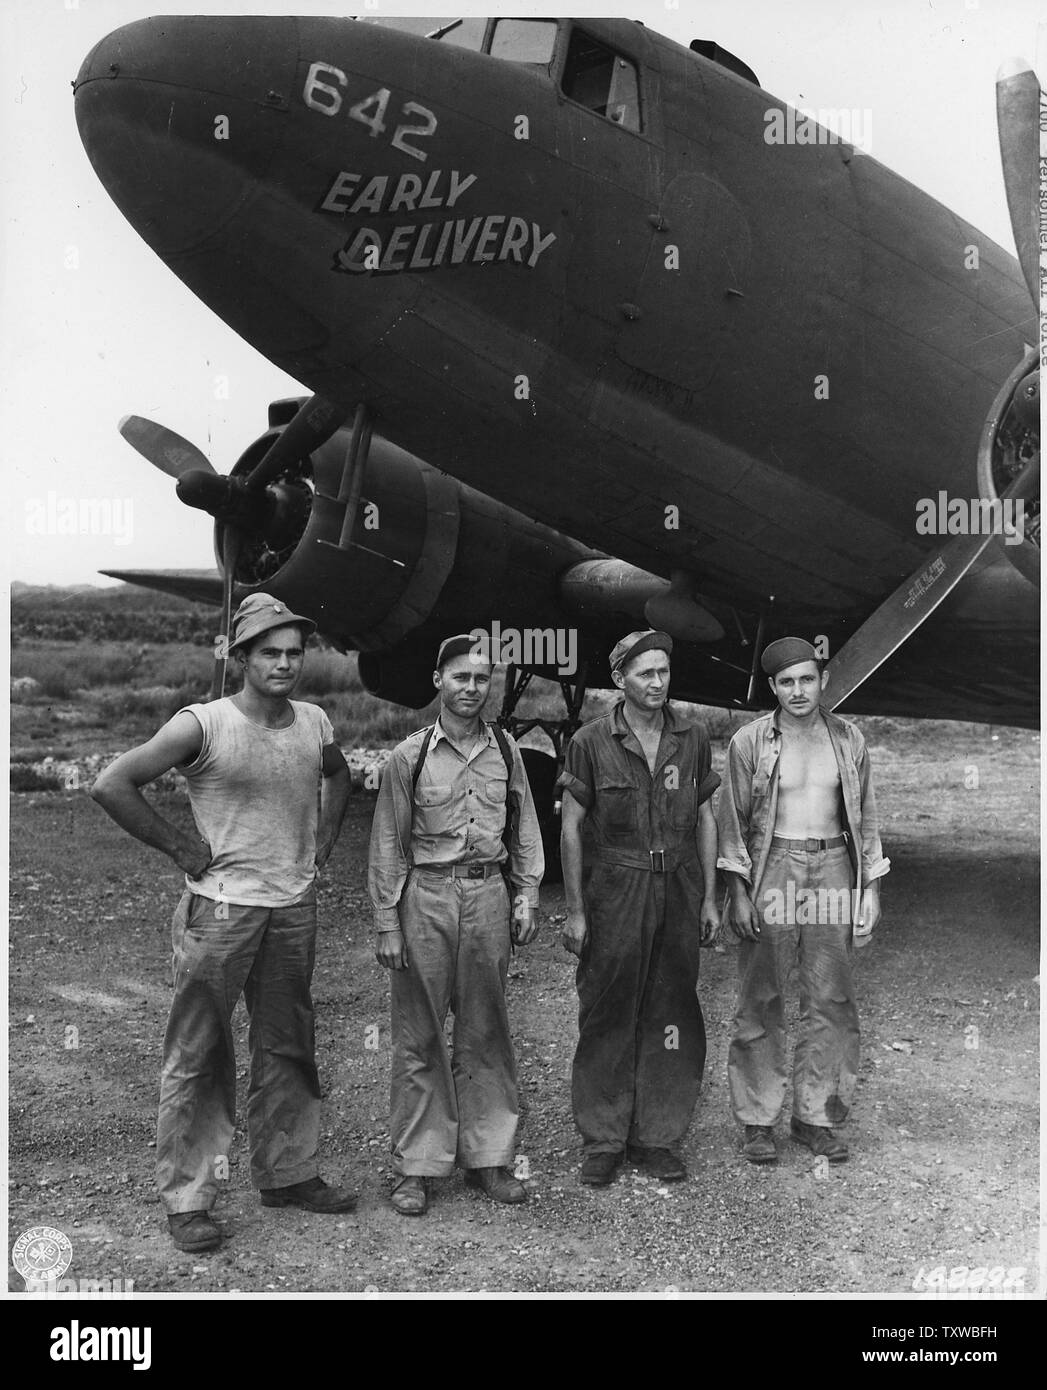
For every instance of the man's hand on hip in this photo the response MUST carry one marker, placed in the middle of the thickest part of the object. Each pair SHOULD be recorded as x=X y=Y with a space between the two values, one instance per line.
x=192 y=856
x=390 y=950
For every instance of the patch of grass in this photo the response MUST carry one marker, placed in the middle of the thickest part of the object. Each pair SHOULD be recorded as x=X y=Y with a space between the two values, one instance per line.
x=62 y=668
x=158 y=701
x=328 y=672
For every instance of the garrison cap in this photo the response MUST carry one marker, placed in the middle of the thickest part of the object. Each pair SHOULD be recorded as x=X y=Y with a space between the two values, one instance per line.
x=465 y=644
x=260 y=612
x=637 y=643
x=787 y=651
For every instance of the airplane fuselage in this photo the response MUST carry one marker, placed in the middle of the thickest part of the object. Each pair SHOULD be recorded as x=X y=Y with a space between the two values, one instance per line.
x=682 y=343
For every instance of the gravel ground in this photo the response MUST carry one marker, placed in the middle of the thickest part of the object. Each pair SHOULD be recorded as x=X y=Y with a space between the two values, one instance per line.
x=944 y=1131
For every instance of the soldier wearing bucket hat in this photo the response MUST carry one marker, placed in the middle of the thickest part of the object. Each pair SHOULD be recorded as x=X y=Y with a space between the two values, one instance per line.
x=800 y=847
x=642 y=776
x=261 y=613
x=254 y=763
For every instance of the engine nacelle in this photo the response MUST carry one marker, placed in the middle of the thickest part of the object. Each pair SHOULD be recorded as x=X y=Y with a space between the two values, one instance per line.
x=405 y=677
x=1010 y=444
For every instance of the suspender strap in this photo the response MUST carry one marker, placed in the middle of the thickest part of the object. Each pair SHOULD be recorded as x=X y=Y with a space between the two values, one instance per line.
x=507 y=758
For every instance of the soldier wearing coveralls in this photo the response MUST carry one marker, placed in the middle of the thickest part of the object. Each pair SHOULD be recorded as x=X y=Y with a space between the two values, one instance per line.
x=642 y=775
x=800 y=847
x=443 y=916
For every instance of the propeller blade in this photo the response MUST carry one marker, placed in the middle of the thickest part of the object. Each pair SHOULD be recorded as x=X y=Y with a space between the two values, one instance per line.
x=163 y=448
x=231 y=543
x=912 y=603
x=312 y=426
x=1017 y=119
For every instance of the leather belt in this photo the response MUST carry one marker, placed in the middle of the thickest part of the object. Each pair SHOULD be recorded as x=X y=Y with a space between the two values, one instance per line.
x=461 y=870
x=810 y=845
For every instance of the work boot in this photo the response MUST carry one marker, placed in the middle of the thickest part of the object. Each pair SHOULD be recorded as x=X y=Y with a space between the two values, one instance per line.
x=660 y=1163
x=820 y=1140
x=599 y=1169
x=410 y=1196
x=193 y=1231
x=759 y=1146
x=311 y=1195
x=498 y=1183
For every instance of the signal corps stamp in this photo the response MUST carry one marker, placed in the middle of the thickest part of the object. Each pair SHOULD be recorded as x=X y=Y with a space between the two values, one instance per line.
x=41 y=1254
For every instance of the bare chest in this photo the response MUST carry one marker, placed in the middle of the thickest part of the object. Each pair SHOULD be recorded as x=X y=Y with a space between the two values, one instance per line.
x=807 y=765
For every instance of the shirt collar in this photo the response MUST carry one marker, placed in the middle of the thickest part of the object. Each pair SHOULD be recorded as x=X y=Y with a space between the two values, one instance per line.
x=775 y=730
x=439 y=732
x=673 y=721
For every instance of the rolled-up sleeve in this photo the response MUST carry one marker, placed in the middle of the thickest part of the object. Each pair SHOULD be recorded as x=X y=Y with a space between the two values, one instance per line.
x=577 y=776
x=527 y=860
x=733 y=809
x=706 y=778
x=874 y=863
x=389 y=857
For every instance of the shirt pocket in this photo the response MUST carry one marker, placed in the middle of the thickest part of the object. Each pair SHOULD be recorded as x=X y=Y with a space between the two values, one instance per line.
x=432 y=796
x=682 y=806
x=496 y=791
x=434 y=811
x=761 y=785
x=616 y=806
x=490 y=797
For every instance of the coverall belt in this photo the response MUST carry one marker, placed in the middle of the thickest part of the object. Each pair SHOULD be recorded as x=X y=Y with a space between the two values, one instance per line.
x=461 y=870
x=655 y=861
x=810 y=845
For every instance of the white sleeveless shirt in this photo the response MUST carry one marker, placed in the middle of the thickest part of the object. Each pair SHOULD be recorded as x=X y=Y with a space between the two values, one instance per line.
x=255 y=796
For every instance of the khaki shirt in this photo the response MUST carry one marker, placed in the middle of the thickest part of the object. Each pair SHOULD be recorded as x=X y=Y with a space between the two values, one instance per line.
x=748 y=806
x=455 y=815
x=631 y=811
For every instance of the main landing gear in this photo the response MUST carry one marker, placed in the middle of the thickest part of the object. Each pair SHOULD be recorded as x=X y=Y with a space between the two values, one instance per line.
x=543 y=769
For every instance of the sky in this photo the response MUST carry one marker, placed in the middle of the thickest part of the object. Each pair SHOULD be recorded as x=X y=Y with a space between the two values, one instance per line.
x=94 y=326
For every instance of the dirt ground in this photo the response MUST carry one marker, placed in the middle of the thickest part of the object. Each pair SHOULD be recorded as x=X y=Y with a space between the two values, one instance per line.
x=944 y=1133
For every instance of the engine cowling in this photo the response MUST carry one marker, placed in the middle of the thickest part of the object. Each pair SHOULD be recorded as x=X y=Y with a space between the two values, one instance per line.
x=1010 y=444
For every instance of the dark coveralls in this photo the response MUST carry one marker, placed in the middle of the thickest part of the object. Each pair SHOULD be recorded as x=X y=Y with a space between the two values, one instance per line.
x=641 y=1036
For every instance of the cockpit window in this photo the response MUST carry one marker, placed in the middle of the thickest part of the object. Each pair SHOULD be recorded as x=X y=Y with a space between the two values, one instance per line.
x=599 y=78
x=524 y=40
x=462 y=33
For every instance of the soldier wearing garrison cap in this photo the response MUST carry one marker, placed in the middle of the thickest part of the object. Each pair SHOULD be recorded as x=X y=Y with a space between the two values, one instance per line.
x=642 y=777
x=800 y=845
x=254 y=763
x=455 y=864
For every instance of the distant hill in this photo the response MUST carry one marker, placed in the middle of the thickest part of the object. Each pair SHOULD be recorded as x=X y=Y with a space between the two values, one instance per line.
x=107 y=598
x=117 y=613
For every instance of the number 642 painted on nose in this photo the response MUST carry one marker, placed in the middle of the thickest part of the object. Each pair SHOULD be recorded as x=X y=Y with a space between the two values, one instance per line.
x=370 y=110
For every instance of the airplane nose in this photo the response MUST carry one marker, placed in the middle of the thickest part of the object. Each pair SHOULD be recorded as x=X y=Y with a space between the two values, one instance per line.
x=180 y=114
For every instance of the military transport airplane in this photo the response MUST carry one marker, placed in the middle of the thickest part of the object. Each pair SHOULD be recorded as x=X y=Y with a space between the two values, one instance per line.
x=602 y=335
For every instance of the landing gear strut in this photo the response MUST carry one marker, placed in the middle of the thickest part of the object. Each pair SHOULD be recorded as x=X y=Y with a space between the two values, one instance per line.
x=543 y=769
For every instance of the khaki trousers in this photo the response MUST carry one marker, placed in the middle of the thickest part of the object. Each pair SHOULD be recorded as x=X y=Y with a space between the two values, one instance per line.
x=805 y=905
x=458 y=1107
x=266 y=954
